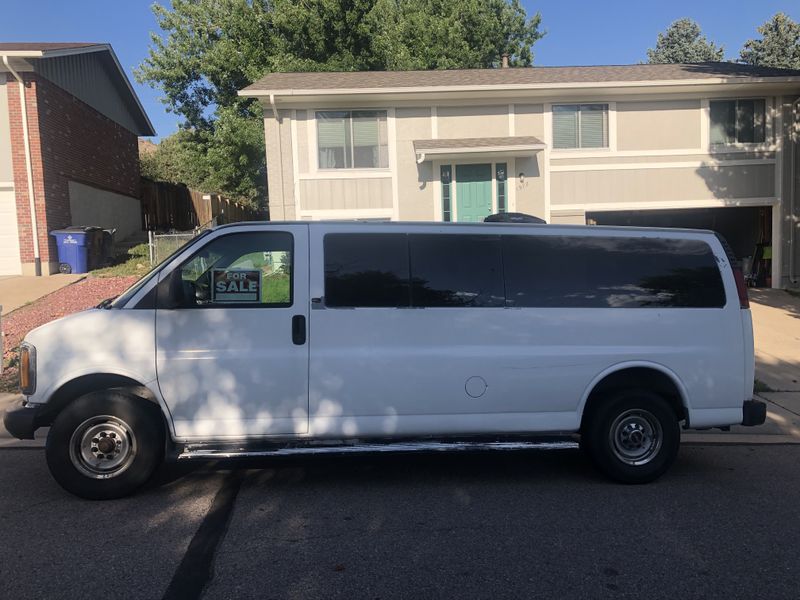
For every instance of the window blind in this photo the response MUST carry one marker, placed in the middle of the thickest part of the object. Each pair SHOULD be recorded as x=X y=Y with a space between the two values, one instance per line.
x=565 y=126
x=593 y=126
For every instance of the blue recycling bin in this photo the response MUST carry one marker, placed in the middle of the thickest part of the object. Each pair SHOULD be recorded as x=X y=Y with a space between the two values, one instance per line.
x=78 y=248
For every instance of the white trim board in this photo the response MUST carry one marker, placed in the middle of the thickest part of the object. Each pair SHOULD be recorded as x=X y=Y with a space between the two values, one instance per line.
x=670 y=204
x=347 y=174
x=348 y=213
x=689 y=164
x=558 y=154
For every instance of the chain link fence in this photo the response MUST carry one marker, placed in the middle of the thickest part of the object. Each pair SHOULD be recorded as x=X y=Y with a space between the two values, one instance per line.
x=164 y=244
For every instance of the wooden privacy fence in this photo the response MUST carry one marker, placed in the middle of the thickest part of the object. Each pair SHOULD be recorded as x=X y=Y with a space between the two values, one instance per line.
x=172 y=206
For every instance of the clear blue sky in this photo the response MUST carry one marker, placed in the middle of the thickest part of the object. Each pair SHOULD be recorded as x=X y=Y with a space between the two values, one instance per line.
x=579 y=33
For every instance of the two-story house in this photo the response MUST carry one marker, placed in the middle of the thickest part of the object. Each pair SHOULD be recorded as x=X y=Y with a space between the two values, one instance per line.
x=680 y=145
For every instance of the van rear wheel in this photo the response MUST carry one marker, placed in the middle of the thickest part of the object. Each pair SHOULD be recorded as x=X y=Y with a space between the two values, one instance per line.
x=632 y=436
x=105 y=444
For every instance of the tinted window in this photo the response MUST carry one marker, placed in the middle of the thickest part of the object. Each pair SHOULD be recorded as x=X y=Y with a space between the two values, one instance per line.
x=369 y=270
x=240 y=270
x=456 y=270
x=559 y=271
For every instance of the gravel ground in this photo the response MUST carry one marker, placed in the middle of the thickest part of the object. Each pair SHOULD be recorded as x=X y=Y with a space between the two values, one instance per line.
x=73 y=298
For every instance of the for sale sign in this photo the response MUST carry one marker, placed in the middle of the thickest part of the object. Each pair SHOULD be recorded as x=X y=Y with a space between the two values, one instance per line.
x=236 y=285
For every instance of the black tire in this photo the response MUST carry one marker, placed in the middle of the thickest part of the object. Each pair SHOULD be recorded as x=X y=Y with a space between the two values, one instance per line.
x=632 y=436
x=111 y=421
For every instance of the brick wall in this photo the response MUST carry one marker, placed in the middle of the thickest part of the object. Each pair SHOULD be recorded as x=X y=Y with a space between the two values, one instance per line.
x=69 y=141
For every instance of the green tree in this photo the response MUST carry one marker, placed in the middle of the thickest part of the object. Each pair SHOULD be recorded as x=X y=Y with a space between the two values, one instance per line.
x=779 y=45
x=683 y=42
x=207 y=50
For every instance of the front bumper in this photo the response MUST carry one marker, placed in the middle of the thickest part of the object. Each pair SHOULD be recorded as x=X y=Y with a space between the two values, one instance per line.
x=22 y=421
x=754 y=412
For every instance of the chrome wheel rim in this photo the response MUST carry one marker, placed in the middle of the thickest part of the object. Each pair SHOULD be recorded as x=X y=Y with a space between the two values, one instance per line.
x=636 y=437
x=102 y=447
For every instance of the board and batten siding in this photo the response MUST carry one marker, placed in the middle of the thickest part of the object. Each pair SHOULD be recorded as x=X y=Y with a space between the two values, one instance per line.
x=416 y=181
x=280 y=178
x=661 y=185
x=343 y=194
x=658 y=125
x=472 y=121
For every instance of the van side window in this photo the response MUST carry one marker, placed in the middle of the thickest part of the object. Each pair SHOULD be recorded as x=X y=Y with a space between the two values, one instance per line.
x=456 y=270
x=249 y=269
x=618 y=272
x=366 y=270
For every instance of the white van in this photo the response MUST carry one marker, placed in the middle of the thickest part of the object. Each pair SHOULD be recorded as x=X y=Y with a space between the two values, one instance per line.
x=265 y=338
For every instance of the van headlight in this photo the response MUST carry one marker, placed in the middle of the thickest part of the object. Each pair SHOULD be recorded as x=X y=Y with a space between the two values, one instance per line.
x=27 y=368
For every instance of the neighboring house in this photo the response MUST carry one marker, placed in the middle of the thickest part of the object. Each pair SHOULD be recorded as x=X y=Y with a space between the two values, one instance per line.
x=704 y=146
x=68 y=152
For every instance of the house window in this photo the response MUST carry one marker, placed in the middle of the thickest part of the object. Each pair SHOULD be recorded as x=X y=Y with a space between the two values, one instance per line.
x=500 y=175
x=447 y=199
x=580 y=126
x=737 y=121
x=352 y=139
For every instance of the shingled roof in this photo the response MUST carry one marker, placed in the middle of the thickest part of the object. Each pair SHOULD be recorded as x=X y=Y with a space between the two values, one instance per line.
x=362 y=80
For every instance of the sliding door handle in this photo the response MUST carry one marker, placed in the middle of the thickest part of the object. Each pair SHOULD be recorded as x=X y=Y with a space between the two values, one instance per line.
x=299 y=330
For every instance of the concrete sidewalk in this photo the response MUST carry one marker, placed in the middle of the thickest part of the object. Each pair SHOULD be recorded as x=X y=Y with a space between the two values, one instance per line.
x=20 y=290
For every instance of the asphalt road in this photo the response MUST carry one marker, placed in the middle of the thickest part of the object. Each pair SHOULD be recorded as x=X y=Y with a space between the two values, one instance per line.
x=724 y=523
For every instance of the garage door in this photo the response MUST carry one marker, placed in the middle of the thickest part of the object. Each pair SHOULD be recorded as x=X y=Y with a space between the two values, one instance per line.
x=748 y=230
x=9 y=240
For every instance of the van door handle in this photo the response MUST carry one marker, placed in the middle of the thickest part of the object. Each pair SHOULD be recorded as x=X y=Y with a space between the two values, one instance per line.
x=299 y=330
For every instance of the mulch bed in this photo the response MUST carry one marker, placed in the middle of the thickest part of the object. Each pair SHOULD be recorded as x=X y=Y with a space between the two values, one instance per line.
x=84 y=294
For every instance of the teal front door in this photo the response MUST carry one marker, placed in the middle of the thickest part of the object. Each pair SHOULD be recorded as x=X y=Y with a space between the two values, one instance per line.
x=473 y=192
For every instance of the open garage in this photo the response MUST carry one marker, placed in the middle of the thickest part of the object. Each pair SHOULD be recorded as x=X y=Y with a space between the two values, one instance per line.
x=748 y=230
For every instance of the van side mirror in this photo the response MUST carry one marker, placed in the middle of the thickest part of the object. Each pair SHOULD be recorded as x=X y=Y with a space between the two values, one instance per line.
x=172 y=292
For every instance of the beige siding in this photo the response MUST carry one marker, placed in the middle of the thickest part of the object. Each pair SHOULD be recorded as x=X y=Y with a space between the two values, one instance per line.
x=472 y=121
x=415 y=182
x=662 y=185
x=529 y=120
x=6 y=167
x=658 y=125
x=106 y=209
x=280 y=177
x=339 y=194
x=304 y=121
x=568 y=217
x=790 y=223
x=529 y=187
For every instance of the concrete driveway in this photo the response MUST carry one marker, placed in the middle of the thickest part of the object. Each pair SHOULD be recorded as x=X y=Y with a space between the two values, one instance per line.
x=776 y=326
x=18 y=290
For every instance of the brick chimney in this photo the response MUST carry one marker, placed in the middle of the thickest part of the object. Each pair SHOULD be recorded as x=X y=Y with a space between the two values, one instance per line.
x=504 y=63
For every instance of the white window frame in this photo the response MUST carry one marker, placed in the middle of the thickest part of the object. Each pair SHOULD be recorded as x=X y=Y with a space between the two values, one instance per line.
x=769 y=116
x=608 y=106
x=345 y=172
x=581 y=152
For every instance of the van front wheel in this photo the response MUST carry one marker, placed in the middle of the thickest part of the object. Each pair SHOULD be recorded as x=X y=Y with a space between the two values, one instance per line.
x=633 y=436
x=105 y=444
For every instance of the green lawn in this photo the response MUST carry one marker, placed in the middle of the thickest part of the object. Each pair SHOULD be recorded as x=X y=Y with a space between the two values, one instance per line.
x=136 y=262
x=276 y=288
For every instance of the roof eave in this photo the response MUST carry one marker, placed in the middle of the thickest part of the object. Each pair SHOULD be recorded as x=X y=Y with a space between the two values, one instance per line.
x=145 y=125
x=251 y=92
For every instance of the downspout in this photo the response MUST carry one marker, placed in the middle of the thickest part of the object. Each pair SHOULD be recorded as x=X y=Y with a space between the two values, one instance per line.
x=794 y=137
x=37 y=261
x=280 y=154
